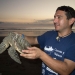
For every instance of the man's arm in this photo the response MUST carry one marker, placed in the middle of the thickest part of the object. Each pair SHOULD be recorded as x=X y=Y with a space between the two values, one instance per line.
x=31 y=39
x=62 y=67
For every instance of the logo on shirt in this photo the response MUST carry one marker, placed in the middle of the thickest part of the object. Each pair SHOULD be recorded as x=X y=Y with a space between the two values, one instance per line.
x=56 y=52
x=48 y=48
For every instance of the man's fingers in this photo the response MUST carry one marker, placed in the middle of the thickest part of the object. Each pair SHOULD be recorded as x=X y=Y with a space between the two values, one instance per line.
x=27 y=51
x=25 y=55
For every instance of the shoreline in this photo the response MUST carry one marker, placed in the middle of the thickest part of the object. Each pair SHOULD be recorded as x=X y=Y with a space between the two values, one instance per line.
x=29 y=32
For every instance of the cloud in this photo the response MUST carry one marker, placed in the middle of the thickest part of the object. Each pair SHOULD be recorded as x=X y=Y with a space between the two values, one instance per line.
x=46 y=21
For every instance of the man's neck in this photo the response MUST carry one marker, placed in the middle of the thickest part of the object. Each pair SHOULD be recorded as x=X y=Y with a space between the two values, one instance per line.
x=64 y=34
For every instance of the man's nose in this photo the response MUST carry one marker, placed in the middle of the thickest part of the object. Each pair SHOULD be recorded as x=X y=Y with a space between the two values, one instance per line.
x=55 y=20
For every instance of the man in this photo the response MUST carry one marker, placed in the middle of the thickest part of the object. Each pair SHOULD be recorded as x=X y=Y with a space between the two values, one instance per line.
x=59 y=46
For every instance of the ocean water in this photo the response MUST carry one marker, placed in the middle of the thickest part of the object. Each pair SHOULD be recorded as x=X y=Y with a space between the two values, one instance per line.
x=25 y=28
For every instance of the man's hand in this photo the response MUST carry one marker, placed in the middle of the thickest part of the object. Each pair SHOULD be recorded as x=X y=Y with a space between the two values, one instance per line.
x=31 y=53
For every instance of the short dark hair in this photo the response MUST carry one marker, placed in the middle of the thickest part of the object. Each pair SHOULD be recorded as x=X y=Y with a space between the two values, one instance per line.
x=70 y=12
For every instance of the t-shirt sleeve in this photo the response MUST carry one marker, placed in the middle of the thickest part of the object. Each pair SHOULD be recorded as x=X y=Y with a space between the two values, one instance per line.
x=42 y=38
x=70 y=53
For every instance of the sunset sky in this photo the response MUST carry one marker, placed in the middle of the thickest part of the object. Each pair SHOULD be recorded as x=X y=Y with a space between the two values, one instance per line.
x=30 y=10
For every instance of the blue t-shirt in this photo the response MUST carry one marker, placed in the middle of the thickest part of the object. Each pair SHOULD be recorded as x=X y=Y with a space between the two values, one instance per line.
x=57 y=49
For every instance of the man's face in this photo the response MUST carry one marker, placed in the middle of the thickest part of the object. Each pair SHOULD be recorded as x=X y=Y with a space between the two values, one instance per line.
x=60 y=21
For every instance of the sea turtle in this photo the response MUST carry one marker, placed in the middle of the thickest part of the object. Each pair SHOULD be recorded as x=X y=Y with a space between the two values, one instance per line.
x=14 y=42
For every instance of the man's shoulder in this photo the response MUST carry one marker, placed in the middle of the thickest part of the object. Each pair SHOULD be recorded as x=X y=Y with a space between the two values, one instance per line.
x=51 y=32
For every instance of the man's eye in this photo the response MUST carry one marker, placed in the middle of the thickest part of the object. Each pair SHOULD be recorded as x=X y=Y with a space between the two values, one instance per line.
x=59 y=17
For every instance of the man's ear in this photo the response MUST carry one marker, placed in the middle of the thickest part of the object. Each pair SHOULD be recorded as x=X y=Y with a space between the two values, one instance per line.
x=71 y=21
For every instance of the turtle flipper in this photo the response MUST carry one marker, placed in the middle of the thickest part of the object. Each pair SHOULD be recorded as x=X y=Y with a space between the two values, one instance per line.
x=4 y=45
x=13 y=54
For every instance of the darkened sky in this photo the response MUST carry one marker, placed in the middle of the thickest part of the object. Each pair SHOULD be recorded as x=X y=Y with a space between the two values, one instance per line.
x=30 y=10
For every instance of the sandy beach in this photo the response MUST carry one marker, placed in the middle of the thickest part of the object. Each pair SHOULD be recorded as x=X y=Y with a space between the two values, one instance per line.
x=28 y=67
